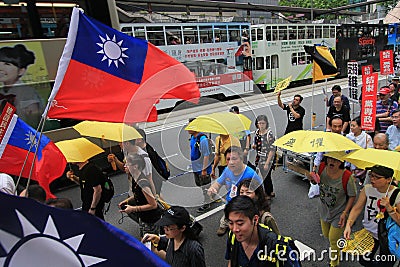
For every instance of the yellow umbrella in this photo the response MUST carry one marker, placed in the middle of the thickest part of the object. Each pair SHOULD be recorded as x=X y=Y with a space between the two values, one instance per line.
x=78 y=150
x=315 y=141
x=364 y=158
x=220 y=123
x=118 y=132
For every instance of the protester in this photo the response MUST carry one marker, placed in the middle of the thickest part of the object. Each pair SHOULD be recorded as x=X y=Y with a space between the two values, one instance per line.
x=265 y=159
x=90 y=180
x=337 y=91
x=385 y=108
x=247 y=238
x=142 y=202
x=338 y=109
x=336 y=199
x=131 y=147
x=244 y=137
x=179 y=247
x=295 y=113
x=393 y=131
x=255 y=191
x=62 y=203
x=378 y=192
x=230 y=178
x=34 y=191
x=222 y=143
x=364 y=140
x=200 y=153
x=7 y=184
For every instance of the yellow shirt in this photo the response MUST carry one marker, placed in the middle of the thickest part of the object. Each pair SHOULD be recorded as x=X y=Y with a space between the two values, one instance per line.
x=223 y=146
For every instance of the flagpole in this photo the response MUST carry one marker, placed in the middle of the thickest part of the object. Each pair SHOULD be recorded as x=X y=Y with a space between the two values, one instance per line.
x=312 y=104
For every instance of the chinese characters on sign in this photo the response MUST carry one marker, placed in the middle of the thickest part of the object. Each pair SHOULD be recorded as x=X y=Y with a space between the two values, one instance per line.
x=368 y=109
x=290 y=142
x=386 y=59
x=397 y=62
x=352 y=74
x=318 y=142
x=367 y=70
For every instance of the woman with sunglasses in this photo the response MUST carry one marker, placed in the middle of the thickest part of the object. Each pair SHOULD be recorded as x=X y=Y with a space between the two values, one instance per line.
x=371 y=197
x=179 y=247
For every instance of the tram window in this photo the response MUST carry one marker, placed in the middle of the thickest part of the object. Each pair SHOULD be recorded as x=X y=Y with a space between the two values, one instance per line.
x=302 y=32
x=190 y=35
x=294 y=59
x=260 y=34
x=234 y=33
x=206 y=34
x=275 y=61
x=308 y=59
x=325 y=32
x=302 y=58
x=139 y=32
x=309 y=32
x=283 y=33
x=174 y=35
x=259 y=63
x=292 y=32
x=332 y=30
x=274 y=33
x=155 y=35
x=268 y=33
x=245 y=30
x=127 y=30
x=253 y=35
x=220 y=33
x=346 y=54
x=268 y=62
x=318 y=31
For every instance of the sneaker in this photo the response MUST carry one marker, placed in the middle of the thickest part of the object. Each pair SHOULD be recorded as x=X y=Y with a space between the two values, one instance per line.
x=204 y=208
x=222 y=231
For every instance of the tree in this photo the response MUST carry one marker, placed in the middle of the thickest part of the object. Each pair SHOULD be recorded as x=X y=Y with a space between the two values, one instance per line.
x=323 y=4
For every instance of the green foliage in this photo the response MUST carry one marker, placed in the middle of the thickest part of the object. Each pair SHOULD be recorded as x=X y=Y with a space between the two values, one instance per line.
x=323 y=4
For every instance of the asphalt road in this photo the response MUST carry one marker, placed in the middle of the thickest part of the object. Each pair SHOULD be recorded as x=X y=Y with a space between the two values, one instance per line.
x=295 y=213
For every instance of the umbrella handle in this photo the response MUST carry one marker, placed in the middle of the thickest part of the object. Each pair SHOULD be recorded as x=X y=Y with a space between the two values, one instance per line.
x=113 y=164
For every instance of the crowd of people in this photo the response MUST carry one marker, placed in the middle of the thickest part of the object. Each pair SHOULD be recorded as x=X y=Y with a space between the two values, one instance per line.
x=249 y=186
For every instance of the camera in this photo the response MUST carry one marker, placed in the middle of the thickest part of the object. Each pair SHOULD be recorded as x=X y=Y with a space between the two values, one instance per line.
x=123 y=206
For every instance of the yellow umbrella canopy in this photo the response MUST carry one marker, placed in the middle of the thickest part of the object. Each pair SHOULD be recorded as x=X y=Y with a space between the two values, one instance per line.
x=364 y=158
x=118 y=132
x=315 y=141
x=220 y=123
x=78 y=150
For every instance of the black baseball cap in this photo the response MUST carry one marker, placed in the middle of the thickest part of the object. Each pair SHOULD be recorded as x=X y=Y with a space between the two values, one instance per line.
x=174 y=215
x=234 y=109
x=381 y=170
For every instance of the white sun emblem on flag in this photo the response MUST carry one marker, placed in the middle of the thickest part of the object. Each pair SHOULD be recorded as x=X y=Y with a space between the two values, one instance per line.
x=45 y=248
x=112 y=50
x=31 y=139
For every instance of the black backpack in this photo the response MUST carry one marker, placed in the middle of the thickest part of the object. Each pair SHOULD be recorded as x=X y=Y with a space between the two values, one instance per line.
x=107 y=190
x=158 y=162
x=211 y=147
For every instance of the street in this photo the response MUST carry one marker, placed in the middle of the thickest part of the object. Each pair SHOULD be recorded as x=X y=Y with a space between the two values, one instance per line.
x=296 y=214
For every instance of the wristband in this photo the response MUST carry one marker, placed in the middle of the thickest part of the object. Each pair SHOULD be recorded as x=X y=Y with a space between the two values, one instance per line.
x=92 y=208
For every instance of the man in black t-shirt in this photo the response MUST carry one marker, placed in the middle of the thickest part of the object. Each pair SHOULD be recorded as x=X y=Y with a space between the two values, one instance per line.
x=295 y=113
x=338 y=109
x=90 y=180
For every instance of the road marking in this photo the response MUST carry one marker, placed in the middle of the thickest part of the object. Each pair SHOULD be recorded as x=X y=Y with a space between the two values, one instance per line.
x=209 y=213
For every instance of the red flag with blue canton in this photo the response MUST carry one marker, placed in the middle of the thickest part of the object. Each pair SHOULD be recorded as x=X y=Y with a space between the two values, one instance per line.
x=33 y=234
x=18 y=140
x=102 y=72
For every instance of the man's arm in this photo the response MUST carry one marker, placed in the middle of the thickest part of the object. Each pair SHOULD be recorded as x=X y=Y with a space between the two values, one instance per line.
x=295 y=114
x=205 y=165
x=214 y=189
x=96 y=198
x=345 y=124
x=280 y=101
x=118 y=163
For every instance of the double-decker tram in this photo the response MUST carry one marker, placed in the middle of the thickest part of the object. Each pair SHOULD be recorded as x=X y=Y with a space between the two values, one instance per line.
x=212 y=51
x=394 y=37
x=278 y=51
x=360 y=42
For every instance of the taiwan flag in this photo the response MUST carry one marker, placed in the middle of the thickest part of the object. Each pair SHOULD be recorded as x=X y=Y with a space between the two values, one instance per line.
x=106 y=75
x=20 y=138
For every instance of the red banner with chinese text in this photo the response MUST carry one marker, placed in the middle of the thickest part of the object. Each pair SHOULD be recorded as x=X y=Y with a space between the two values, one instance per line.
x=367 y=70
x=386 y=60
x=368 y=107
x=5 y=118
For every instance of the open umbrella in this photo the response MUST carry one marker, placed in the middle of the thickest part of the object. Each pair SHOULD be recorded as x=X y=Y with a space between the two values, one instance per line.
x=78 y=150
x=118 y=132
x=364 y=158
x=315 y=141
x=220 y=123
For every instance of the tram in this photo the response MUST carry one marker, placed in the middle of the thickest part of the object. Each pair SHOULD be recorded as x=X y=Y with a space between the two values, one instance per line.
x=278 y=51
x=210 y=50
